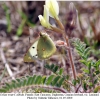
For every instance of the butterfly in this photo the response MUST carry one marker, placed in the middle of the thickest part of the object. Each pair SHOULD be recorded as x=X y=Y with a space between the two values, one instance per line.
x=42 y=48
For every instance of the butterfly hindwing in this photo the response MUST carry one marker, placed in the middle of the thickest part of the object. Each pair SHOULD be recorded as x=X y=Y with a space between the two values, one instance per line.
x=45 y=46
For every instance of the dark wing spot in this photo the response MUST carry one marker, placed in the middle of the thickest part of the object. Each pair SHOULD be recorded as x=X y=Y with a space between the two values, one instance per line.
x=33 y=47
x=35 y=55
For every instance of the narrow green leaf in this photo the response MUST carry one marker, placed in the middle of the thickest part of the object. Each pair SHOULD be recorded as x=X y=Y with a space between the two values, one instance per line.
x=84 y=57
x=8 y=85
x=84 y=62
x=85 y=86
x=46 y=66
x=97 y=72
x=33 y=79
x=96 y=89
x=78 y=80
x=60 y=72
x=18 y=82
x=14 y=83
x=55 y=69
x=90 y=84
x=55 y=80
x=85 y=70
x=67 y=77
x=5 y=88
x=49 y=79
x=38 y=80
x=43 y=79
x=24 y=82
x=74 y=82
x=29 y=80
x=97 y=64
x=27 y=76
x=2 y=90
x=95 y=81
x=59 y=83
x=79 y=50
x=52 y=66
x=87 y=50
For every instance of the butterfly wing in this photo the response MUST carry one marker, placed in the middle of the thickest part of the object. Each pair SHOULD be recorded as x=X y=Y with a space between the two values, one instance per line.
x=45 y=46
x=31 y=54
x=27 y=58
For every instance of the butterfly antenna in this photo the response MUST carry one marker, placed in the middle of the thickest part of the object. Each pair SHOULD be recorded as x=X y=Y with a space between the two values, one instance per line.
x=29 y=40
x=31 y=32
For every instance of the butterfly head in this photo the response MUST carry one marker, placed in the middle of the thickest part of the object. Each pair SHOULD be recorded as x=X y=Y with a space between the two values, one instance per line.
x=43 y=34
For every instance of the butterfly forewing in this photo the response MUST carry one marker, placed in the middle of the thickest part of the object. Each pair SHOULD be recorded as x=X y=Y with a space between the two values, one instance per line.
x=31 y=54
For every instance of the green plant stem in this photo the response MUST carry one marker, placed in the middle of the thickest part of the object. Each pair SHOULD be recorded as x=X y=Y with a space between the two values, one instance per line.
x=60 y=24
x=69 y=51
x=68 y=44
x=70 y=56
x=78 y=87
x=41 y=86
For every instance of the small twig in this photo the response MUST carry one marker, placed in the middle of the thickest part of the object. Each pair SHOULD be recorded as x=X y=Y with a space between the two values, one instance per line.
x=78 y=88
x=6 y=64
x=69 y=83
x=91 y=77
x=17 y=73
x=70 y=56
x=3 y=73
x=68 y=44
x=42 y=86
x=60 y=24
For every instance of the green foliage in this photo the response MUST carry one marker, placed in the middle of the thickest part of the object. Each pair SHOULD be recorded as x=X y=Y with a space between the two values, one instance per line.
x=96 y=89
x=6 y=9
x=94 y=44
x=23 y=22
x=54 y=69
x=82 y=50
x=91 y=70
x=36 y=80
x=55 y=80
x=21 y=26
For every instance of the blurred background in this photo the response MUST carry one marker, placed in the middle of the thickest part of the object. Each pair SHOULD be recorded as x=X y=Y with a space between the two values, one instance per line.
x=17 y=17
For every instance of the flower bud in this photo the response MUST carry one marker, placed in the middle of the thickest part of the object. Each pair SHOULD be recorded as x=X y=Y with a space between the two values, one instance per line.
x=53 y=8
x=44 y=20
